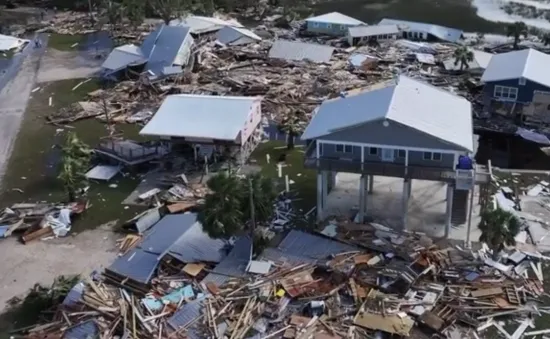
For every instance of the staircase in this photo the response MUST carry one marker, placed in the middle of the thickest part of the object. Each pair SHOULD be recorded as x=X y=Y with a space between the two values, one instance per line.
x=459 y=214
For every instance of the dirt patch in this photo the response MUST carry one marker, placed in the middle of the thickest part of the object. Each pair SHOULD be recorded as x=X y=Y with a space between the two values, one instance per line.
x=62 y=65
x=42 y=261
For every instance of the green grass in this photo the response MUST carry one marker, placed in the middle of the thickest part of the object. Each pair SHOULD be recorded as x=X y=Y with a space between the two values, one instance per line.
x=304 y=179
x=65 y=42
x=33 y=164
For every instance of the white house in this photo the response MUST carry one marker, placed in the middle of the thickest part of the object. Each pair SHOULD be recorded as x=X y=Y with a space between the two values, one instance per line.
x=360 y=34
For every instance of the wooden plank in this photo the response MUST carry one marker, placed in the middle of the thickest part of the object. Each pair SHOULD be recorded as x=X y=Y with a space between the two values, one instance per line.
x=193 y=269
x=487 y=292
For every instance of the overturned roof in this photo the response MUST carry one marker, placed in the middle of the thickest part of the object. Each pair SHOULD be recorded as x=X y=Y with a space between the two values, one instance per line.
x=481 y=61
x=294 y=50
x=165 y=47
x=300 y=247
x=201 y=116
x=124 y=56
x=236 y=36
x=440 y=32
x=360 y=31
x=410 y=102
x=8 y=43
x=234 y=265
x=140 y=263
x=336 y=18
x=528 y=63
x=202 y=24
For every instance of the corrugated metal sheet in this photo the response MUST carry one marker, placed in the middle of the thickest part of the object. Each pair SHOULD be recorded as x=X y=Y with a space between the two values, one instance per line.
x=361 y=31
x=441 y=32
x=9 y=42
x=85 y=330
x=186 y=314
x=410 y=102
x=194 y=245
x=528 y=63
x=293 y=50
x=200 y=116
x=234 y=265
x=236 y=36
x=124 y=56
x=300 y=247
x=162 y=47
x=336 y=18
x=140 y=263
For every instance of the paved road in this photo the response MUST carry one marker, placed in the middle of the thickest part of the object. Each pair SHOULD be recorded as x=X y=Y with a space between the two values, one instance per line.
x=16 y=85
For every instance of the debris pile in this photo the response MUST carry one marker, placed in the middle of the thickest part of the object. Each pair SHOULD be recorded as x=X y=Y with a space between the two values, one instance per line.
x=38 y=221
x=313 y=286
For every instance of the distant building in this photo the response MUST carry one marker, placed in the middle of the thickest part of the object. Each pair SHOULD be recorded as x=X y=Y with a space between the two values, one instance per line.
x=361 y=34
x=422 y=31
x=334 y=23
x=476 y=66
x=516 y=80
x=161 y=50
x=228 y=126
x=297 y=51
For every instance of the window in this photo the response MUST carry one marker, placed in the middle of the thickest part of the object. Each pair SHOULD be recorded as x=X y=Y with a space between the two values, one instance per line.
x=506 y=93
x=432 y=156
x=522 y=81
x=329 y=26
x=401 y=153
x=373 y=151
x=343 y=27
x=344 y=148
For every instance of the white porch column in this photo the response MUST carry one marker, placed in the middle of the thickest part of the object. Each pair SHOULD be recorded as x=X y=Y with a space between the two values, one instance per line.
x=410 y=187
x=319 y=196
x=371 y=183
x=405 y=202
x=362 y=197
x=449 y=212
x=325 y=188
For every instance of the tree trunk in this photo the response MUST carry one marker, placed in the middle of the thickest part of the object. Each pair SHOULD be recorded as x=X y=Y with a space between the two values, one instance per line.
x=290 y=141
x=166 y=20
x=92 y=20
x=71 y=195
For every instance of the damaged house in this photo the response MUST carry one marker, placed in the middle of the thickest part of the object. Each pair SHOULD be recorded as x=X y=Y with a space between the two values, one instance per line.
x=165 y=51
x=203 y=25
x=378 y=33
x=423 y=31
x=334 y=23
x=235 y=36
x=518 y=84
x=405 y=129
x=225 y=126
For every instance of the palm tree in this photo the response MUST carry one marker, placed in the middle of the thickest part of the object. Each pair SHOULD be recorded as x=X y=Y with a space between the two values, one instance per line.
x=498 y=229
x=517 y=30
x=292 y=126
x=221 y=215
x=463 y=56
x=263 y=193
x=75 y=162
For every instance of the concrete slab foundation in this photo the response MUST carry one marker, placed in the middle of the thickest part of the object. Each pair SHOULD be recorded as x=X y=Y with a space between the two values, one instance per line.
x=425 y=209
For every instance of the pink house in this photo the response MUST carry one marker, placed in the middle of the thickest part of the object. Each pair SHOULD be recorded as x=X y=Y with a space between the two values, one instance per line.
x=226 y=126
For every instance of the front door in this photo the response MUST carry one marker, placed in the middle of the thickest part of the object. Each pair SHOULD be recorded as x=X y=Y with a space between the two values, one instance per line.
x=388 y=154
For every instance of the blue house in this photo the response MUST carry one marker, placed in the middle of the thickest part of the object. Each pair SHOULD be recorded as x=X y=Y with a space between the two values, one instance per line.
x=514 y=80
x=334 y=23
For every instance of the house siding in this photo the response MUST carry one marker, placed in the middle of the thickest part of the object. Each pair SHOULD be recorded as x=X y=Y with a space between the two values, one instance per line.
x=326 y=28
x=416 y=158
x=525 y=92
x=394 y=135
x=254 y=119
x=384 y=37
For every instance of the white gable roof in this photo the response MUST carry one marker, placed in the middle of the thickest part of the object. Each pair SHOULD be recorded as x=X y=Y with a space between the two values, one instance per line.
x=528 y=63
x=410 y=102
x=336 y=18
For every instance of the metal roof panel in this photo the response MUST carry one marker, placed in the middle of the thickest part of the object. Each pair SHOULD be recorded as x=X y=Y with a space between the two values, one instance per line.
x=294 y=50
x=336 y=18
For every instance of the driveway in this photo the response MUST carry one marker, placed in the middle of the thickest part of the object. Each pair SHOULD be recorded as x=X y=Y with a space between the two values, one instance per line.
x=16 y=83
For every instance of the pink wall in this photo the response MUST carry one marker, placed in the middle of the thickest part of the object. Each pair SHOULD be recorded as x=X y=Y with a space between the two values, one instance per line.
x=254 y=118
